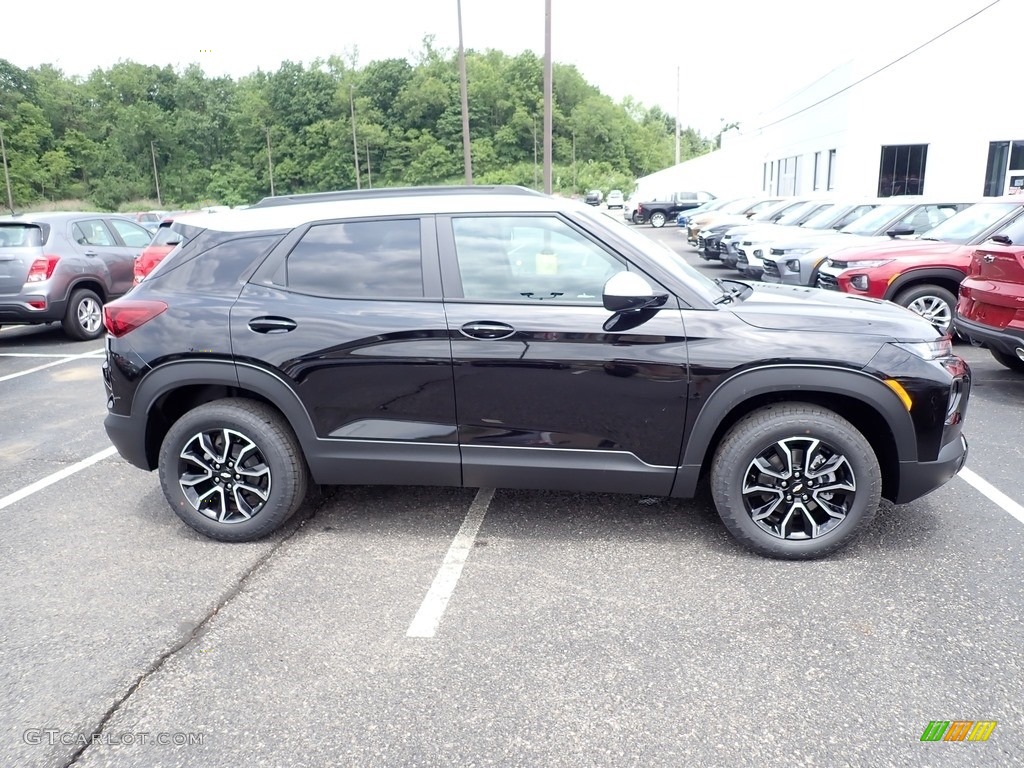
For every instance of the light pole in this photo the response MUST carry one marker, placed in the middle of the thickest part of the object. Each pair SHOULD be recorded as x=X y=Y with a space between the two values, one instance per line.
x=7 y=175
x=270 y=160
x=156 y=177
x=677 y=115
x=355 y=148
x=467 y=154
x=547 y=97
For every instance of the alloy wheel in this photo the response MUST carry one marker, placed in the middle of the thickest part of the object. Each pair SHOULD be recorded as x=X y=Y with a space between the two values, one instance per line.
x=90 y=315
x=799 y=488
x=934 y=310
x=223 y=475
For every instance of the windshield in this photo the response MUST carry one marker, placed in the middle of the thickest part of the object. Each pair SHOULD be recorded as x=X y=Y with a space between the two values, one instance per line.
x=874 y=221
x=773 y=210
x=970 y=222
x=663 y=256
x=796 y=215
x=739 y=206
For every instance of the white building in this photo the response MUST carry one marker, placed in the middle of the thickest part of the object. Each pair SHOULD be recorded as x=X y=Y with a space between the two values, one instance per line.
x=940 y=115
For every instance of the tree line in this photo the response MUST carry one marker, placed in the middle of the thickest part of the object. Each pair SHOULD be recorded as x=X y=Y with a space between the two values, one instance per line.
x=112 y=137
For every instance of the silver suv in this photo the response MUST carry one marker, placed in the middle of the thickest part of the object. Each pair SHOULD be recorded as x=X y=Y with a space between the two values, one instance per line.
x=64 y=267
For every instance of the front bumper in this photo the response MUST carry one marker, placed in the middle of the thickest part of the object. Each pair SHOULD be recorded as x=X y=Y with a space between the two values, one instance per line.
x=918 y=478
x=1007 y=342
x=776 y=271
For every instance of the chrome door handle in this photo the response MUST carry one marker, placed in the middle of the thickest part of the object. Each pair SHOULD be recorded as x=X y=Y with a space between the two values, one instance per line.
x=482 y=329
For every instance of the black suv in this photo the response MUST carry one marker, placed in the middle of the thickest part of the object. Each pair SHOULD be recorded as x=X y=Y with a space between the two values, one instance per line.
x=496 y=337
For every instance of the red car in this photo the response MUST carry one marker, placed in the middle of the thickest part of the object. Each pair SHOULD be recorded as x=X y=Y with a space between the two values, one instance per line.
x=990 y=310
x=923 y=274
x=164 y=241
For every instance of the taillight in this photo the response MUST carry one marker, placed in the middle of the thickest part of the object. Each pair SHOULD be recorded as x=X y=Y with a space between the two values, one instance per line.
x=125 y=315
x=139 y=274
x=42 y=269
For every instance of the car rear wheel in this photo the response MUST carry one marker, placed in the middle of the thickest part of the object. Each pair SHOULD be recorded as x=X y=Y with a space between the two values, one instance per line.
x=1012 y=362
x=233 y=470
x=795 y=481
x=658 y=219
x=933 y=303
x=83 y=319
x=636 y=218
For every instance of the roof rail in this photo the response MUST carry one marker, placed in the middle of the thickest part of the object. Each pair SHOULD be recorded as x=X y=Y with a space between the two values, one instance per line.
x=364 y=194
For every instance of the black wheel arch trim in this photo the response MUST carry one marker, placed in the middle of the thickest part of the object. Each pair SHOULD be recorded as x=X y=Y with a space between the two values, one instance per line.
x=795 y=380
x=177 y=374
x=923 y=274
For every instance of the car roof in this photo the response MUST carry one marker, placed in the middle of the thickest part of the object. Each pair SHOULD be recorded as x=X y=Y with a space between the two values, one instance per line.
x=54 y=216
x=288 y=216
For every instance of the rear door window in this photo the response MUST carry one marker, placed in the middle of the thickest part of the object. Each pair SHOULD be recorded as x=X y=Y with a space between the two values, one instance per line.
x=91 y=232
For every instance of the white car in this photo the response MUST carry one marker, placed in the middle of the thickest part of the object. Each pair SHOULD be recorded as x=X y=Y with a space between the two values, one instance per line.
x=615 y=199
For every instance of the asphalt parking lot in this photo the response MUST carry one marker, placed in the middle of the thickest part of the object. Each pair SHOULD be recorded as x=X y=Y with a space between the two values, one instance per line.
x=425 y=626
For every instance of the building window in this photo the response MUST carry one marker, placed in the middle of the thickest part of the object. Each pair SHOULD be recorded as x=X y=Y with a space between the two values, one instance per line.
x=787 y=178
x=764 y=177
x=1004 y=157
x=831 y=183
x=815 y=181
x=901 y=171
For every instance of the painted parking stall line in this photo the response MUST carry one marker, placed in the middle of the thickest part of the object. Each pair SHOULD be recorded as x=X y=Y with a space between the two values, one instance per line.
x=993 y=494
x=428 y=617
x=95 y=355
x=56 y=477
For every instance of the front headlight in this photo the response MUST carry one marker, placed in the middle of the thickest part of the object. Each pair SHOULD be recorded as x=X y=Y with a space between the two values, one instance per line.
x=796 y=251
x=928 y=350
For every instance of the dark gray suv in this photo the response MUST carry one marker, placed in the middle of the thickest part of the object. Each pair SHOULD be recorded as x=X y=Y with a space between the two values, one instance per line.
x=64 y=267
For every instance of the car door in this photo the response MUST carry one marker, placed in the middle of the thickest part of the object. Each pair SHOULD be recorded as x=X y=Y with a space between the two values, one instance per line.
x=103 y=255
x=131 y=239
x=348 y=315
x=546 y=397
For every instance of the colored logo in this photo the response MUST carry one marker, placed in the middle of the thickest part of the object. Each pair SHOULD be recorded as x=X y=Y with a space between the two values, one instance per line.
x=958 y=730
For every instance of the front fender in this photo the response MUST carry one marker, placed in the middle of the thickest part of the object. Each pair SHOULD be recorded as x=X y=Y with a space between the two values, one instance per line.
x=795 y=381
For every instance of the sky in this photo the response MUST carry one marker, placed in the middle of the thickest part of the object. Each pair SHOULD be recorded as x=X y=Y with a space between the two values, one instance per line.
x=734 y=58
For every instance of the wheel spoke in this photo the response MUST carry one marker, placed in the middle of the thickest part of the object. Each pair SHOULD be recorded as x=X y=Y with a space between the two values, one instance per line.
x=213 y=480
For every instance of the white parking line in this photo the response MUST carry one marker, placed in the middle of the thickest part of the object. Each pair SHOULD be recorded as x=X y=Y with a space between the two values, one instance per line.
x=68 y=359
x=40 y=354
x=428 y=617
x=993 y=494
x=56 y=477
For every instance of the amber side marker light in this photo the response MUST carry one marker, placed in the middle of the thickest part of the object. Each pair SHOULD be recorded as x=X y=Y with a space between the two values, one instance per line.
x=901 y=393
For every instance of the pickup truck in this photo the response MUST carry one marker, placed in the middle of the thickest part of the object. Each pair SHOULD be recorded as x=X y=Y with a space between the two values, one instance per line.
x=658 y=212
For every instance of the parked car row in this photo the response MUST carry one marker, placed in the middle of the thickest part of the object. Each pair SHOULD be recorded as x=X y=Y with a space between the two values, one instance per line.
x=958 y=264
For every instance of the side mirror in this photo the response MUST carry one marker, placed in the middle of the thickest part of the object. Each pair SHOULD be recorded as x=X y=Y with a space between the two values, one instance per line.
x=897 y=231
x=628 y=292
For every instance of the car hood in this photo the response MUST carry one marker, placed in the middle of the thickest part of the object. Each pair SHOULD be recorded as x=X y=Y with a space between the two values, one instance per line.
x=794 y=308
x=903 y=249
x=835 y=241
x=764 y=231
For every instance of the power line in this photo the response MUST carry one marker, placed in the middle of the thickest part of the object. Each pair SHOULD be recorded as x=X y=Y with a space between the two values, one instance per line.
x=880 y=69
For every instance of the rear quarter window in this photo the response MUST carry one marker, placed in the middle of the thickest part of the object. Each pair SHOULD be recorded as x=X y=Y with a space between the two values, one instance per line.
x=214 y=268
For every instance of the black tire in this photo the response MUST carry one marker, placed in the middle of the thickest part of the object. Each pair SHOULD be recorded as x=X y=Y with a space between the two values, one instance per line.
x=637 y=218
x=925 y=300
x=83 y=318
x=658 y=219
x=275 y=466
x=1012 y=362
x=758 y=436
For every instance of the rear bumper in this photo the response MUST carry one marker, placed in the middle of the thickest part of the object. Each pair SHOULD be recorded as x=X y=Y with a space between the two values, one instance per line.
x=128 y=439
x=21 y=313
x=918 y=478
x=1004 y=341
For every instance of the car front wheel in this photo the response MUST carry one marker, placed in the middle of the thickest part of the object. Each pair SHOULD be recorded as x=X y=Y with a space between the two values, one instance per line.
x=233 y=470
x=931 y=302
x=795 y=481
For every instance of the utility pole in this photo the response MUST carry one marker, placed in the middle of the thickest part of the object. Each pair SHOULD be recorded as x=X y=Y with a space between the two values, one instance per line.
x=7 y=175
x=547 y=97
x=355 y=148
x=270 y=160
x=677 y=115
x=467 y=154
x=369 y=176
x=535 y=150
x=574 y=188
x=156 y=177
